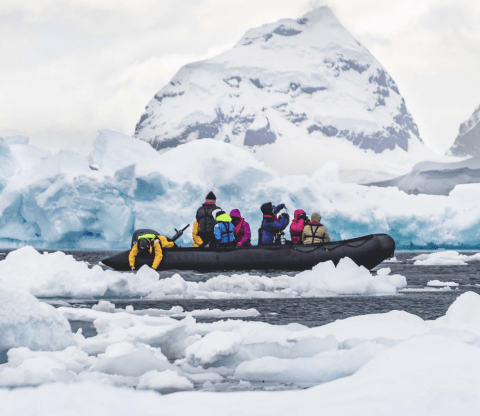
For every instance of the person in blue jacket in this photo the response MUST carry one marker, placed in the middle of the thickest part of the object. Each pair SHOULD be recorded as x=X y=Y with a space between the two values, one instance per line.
x=271 y=225
x=224 y=230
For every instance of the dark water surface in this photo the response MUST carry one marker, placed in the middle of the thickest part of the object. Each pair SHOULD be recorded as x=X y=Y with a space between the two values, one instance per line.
x=428 y=304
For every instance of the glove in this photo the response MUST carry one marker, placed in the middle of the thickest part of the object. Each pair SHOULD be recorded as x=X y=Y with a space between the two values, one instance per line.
x=206 y=246
x=133 y=267
x=285 y=214
x=239 y=244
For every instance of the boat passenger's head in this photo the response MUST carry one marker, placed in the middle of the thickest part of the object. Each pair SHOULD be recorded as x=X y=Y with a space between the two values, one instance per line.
x=316 y=217
x=236 y=216
x=143 y=244
x=267 y=208
x=211 y=197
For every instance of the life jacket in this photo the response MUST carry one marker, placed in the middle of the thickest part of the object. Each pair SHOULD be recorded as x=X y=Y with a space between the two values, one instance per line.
x=206 y=222
x=314 y=235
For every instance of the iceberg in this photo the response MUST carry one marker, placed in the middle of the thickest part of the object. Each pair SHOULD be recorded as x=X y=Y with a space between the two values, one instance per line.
x=58 y=201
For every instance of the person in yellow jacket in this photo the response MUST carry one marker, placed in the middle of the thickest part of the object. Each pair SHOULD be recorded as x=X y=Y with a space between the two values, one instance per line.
x=145 y=243
x=197 y=240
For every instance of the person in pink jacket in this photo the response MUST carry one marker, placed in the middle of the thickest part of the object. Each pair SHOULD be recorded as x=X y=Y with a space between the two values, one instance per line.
x=300 y=220
x=242 y=229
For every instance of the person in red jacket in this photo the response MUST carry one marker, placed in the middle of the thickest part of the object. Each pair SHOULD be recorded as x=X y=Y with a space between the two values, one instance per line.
x=300 y=220
x=242 y=229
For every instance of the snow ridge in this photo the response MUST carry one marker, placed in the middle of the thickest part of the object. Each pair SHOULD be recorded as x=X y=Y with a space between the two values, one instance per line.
x=292 y=80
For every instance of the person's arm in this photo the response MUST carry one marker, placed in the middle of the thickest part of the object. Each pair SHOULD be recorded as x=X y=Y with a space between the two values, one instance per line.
x=158 y=253
x=327 y=237
x=217 y=232
x=283 y=222
x=133 y=255
x=246 y=235
x=197 y=241
x=278 y=208
x=165 y=243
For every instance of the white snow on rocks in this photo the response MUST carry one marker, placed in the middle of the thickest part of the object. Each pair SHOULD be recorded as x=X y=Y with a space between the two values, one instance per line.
x=287 y=87
x=26 y=322
x=60 y=275
x=445 y=258
x=393 y=361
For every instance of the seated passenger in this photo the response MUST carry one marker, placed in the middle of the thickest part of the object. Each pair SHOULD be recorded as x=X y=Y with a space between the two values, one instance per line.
x=271 y=225
x=300 y=219
x=145 y=244
x=314 y=232
x=197 y=241
x=224 y=230
x=206 y=219
x=242 y=229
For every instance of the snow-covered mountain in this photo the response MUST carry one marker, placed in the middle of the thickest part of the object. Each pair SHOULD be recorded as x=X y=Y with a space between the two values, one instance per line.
x=467 y=142
x=296 y=92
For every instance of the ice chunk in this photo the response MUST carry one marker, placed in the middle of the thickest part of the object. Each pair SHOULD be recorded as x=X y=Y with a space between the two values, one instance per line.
x=27 y=368
x=440 y=283
x=26 y=322
x=214 y=347
x=443 y=258
x=320 y=368
x=133 y=364
x=463 y=314
x=166 y=381
x=395 y=325
x=104 y=306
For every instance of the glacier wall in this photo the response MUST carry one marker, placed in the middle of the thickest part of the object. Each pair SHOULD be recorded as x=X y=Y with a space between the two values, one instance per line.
x=59 y=201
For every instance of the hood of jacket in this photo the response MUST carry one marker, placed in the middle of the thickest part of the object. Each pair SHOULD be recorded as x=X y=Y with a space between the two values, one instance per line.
x=235 y=213
x=224 y=218
x=316 y=217
x=297 y=213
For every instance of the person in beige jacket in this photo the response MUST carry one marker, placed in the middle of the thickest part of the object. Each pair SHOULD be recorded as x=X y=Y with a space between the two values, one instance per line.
x=314 y=232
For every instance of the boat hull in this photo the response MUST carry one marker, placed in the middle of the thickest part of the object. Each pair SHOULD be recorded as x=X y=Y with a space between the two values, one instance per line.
x=368 y=251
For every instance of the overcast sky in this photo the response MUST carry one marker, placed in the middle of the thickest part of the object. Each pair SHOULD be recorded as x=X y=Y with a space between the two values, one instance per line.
x=70 y=67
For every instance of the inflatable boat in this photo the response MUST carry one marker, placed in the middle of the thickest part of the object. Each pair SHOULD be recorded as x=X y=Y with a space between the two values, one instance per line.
x=368 y=251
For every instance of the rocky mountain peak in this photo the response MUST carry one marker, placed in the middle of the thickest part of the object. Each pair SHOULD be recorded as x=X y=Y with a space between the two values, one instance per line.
x=288 y=81
x=467 y=142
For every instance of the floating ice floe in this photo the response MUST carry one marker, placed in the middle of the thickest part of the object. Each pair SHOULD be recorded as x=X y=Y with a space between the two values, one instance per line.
x=104 y=306
x=377 y=360
x=440 y=283
x=392 y=260
x=444 y=258
x=24 y=321
x=60 y=275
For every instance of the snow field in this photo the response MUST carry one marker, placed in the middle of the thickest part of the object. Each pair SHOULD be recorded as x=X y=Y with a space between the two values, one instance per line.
x=60 y=275
x=58 y=202
x=393 y=363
